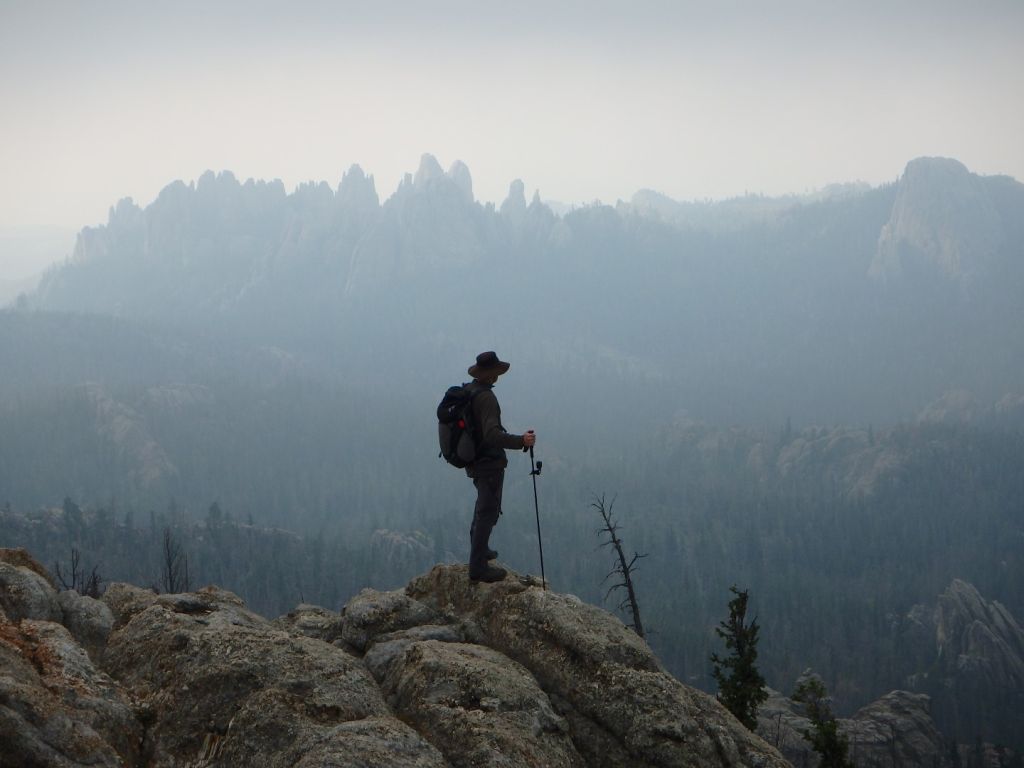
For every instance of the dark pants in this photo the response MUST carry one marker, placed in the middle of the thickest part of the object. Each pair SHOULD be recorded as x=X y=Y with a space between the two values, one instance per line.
x=485 y=517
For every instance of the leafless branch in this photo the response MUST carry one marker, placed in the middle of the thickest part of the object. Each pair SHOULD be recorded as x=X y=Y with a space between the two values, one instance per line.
x=621 y=568
x=174 y=575
x=91 y=584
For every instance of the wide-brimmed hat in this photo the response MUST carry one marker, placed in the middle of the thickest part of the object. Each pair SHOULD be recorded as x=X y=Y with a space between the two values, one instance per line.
x=488 y=362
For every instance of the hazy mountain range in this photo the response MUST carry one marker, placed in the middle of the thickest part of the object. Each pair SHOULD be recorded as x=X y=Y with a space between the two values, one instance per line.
x=853 y=306
x=856 y=304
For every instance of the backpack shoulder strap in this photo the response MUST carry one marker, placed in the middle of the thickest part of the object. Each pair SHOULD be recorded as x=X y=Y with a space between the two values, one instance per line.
x=473 y=389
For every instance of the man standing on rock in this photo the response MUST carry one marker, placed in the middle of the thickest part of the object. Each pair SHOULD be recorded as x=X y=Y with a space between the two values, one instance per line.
x=488 y=471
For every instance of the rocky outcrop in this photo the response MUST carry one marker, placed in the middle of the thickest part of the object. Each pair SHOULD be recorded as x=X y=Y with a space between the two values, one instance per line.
x=372 y=613
x=24 y=592
x=358 y=192
x=56 y=707
x=620 y=706
x=514 y=207
x=312 y=621
x=969 y=653
x=442 y=674
x=459 y=173
x=87 y=619
x=216 y=678
x=126 y=600
x=943 y=221
x=21 y=558
x=978 y=637
x=477 y=706
x=897 y=729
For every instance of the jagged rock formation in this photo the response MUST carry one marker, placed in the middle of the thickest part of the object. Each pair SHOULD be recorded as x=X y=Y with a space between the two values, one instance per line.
x=328 y=274
x=979 y=637
x=944 y=219
x=218 y=247
x=969 y=653
x=57 y=708
x=431 y=223
x=514 y=206
x=897 y=729
x=443 y=674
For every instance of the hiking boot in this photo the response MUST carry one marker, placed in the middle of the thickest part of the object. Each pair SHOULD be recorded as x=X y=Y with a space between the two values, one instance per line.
x=492 y=554
x=490 y=574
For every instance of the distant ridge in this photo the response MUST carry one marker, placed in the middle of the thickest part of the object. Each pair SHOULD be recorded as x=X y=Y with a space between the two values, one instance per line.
x=858 y=277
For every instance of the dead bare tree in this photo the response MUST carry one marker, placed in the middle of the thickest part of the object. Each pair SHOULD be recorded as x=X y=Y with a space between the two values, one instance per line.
x=70 y=581
x=174 y=573
x=622 y=569
x=83 y=583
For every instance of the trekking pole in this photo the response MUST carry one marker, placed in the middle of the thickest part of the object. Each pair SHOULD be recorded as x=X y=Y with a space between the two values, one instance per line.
x=534 y=471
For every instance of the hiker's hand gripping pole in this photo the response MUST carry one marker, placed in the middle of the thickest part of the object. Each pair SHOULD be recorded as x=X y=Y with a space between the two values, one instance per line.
x=534 y=471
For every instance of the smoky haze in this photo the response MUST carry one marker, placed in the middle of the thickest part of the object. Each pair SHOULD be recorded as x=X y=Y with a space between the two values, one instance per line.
x=819 y=397
x=582 y=102
x=789 y=342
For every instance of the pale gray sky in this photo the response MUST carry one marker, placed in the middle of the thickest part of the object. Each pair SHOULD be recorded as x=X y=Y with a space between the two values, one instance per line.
x=583 y=100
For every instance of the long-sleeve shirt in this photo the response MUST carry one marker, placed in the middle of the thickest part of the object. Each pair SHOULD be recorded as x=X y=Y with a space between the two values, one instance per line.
x=494 y=440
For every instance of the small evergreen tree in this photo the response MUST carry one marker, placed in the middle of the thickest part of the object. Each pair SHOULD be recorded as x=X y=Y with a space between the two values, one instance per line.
x=741 y=688
x=832 y=747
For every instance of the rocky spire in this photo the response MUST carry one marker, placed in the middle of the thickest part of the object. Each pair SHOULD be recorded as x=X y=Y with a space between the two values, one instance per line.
x=357 y=190
x=429 y=171
x=125 y=212
x=459 y=174
x=515 y=204
x=943 y=220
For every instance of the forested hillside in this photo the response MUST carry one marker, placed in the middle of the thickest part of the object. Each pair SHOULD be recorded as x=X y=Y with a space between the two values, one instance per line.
x=818 y=399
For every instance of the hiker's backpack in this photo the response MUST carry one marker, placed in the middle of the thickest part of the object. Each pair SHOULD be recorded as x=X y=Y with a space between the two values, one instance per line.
x=455 y=427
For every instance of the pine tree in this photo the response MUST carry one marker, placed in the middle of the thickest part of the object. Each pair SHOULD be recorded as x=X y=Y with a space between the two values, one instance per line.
x=741 y=688
x=832 y=747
